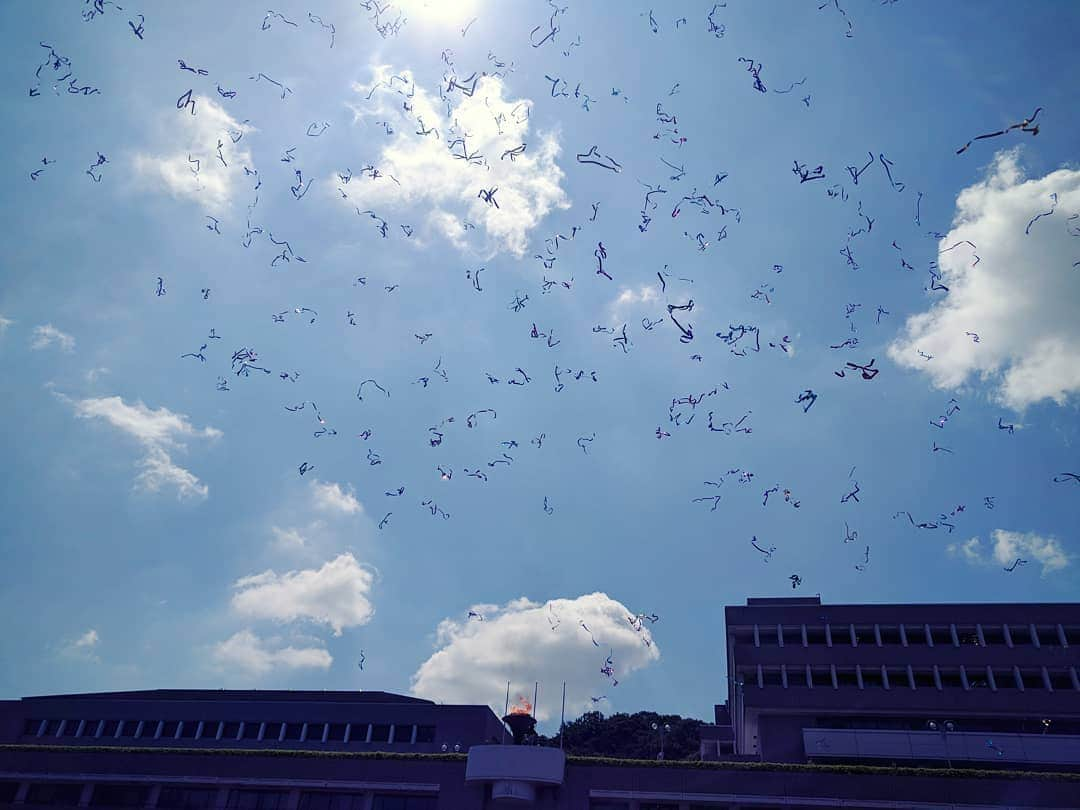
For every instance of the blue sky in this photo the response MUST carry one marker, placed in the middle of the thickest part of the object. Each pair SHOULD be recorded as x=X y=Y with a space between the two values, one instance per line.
x=158 y=531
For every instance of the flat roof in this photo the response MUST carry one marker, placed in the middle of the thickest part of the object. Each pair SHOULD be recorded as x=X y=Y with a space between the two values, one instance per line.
x=268 y=695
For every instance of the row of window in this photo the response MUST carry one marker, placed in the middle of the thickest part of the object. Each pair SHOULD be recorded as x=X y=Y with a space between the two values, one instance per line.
x=904 y=635
x=227 y=730
x=69 y=794
x=940 y=678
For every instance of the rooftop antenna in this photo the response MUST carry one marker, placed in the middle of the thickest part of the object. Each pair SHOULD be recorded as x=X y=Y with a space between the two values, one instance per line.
x=562 y=717
x=506 y=711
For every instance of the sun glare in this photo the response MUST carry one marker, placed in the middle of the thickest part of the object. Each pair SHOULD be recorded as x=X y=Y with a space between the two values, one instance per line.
x=438 y=12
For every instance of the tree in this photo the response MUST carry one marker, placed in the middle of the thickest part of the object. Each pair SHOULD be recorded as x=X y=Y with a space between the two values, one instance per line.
x=629 y=736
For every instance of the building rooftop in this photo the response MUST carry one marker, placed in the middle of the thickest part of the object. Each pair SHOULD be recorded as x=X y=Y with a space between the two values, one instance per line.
x=261 y=695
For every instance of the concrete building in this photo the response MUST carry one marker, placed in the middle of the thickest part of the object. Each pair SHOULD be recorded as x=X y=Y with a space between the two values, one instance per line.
x=819 y=696
x=994 y=684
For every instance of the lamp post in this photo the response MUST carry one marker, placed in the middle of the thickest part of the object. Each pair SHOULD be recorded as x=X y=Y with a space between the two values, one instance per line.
x=664 y=729
x=945 y=728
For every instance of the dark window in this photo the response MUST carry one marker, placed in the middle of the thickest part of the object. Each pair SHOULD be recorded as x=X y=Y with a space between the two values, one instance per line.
x=108 y=729
x=51 y=727
x=743 y=635
x=8 y=791
x=898 y=678
x=1020 y=634
x=815 y=636
x=70 y=727
x=796 y=677
x=128 y=728
x=315 y=731
x=185 y=798
x=1059 y=679
x=993 y=635
x=31 y=726
x=273 y=731
x=890 y=636
x=924 y=679
x=293 y=730
x=231 y=730
x=106 y=795
x=1003 y=679
x=251 y=729
x=358 y=732
x=187 y=731
x=337 y=733
x=426 y=734
x=65 y=794
x=403 y=734
x=1048 y=635
x=771 y=676
x=871 y=677
x=310 y=800
x=792 y=638
x=1032 y=679
x=90 y=728
x=257 y=799
x=391 y=802
x=149 y=729
x=1072 y=634
x=950 y=679
x=380 y=732
x=845 y=678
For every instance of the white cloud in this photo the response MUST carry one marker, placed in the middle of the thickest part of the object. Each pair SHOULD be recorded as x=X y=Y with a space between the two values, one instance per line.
x=1011 y=546
x=247 y=652
x=288 y=539
x=338 y=594
x=84 y=646
x=330 y=497
x=155 y=430
x=48 y=335
x=516 y=642
x=190 y=167
x=93 y=374
x=631 y=300
x=4 y=324
x=422 y=168
x=1021 y=298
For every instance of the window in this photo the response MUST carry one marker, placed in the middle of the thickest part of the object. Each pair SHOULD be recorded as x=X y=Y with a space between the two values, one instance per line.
x=51 y=727
x=185 y=798
x=924 y=679
x=1005 y=679
x=950 y=679
x=8 y=791
x=31 y=726
x=426 y=734
x=1060 y=680
x=188 y=729
x=1032 y=679
x=293 y=730
x=65 y=794
x=315 y=732
x=390 y=802
x=898 y=678
x=380 y=732
x=310 y=800
x=231 y=730
x=771 y=676
x=1072 y=633
x=358 y=733
x=403 y=734
x=251 y=729
x=1048 y=635
x=1020 y=634
x=993 y=635
x=128 y=727
x=845 y=678
x=257 y=799
x=90 y=728
x=968 y=636
x=815 y=636
x=169 y=729
x=792 y=638
x=272 y=731
x=106 y=795
x=890 y=636
x=109 y=727
x=871 y=677
x=337 y=733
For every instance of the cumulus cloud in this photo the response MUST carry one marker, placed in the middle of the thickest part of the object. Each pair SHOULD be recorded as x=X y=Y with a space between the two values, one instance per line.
x=288 y=539
x=337 y=594
x=4 y=324
x=85 y=646
x=630 y=300
x=47 y=335
x=423 y=168
x=330 y=497
x=248 y=653
x=189 y=167
x=158 y=431
x=1008 y=546
x=517 y=642
x=1021 y=296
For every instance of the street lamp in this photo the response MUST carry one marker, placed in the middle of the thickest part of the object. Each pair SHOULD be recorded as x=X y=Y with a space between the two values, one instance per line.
x=664 y=729
x=945 y=728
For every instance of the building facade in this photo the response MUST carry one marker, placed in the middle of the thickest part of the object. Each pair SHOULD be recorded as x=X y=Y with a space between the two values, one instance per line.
x=992 y=684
